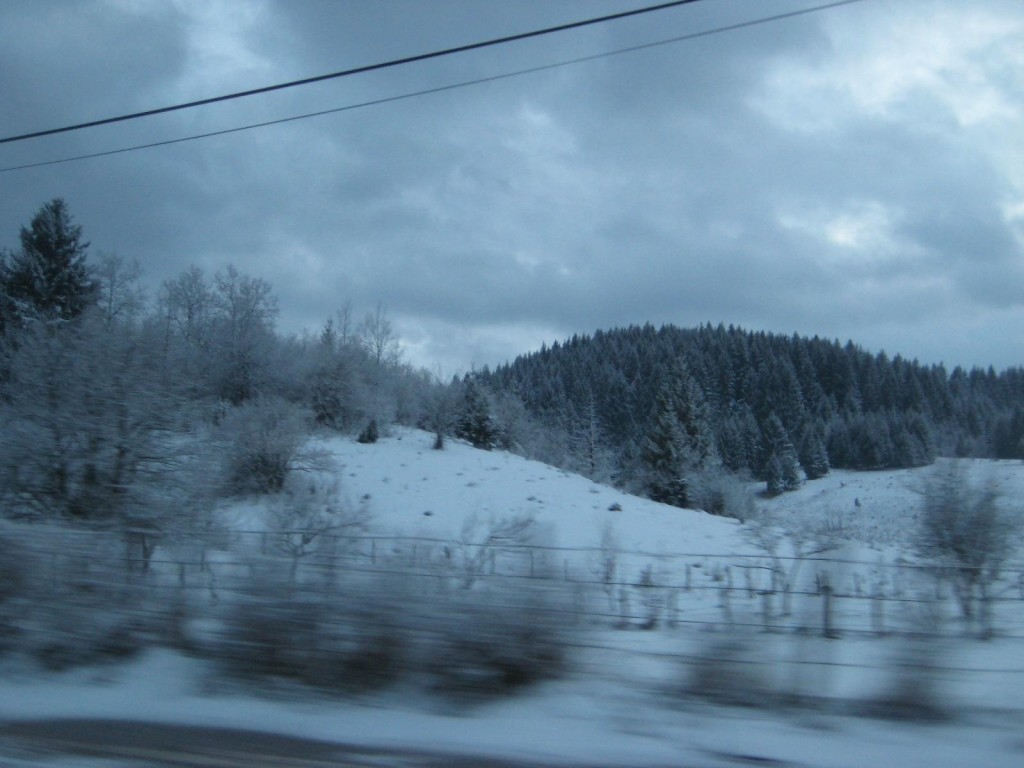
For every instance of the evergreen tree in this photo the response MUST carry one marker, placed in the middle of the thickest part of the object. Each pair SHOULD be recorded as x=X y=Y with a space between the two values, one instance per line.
x=335 y=392
x=781 y=471
x=739 y=439
x=664 y=456
x=870 y=442
x=1008 y=436
x=869 y=411
x=811 y=453
x=473 y=422
x=679 y=442
x=48 y=278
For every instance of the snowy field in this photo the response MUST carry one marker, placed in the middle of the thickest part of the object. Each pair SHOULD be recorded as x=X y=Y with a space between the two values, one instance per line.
x=778 y=692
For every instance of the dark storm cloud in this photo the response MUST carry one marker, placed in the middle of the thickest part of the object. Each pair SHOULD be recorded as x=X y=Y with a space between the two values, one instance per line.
x=72 y=61
x=747 y=178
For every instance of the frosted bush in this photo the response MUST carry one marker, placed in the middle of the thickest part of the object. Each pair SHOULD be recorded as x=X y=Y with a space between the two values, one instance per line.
x=264 y=444
x=347 y=639
x=372 y=631
x=730 y=671
x=75 y=606
x=492 y=643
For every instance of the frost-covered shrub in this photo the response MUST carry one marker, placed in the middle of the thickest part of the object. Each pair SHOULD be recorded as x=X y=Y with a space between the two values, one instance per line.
x=349 y=640
x=371 y=631
x=77 y=607
x=79 y=637
x=493 y=643
x=370 y=433
x=365 y=645
x=337 y=393
x=264 y=444
x=14 y=567
x=968 y=535
x=912 y=690
x=729 y=671
x=718 y=492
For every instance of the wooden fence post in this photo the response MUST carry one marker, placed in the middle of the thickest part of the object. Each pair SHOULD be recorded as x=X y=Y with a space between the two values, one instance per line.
x=878 y=611
x=726 y=605
x=827 y=627
x=766 y=609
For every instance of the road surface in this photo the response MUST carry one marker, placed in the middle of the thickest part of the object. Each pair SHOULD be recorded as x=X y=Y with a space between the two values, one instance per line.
x=128 y=744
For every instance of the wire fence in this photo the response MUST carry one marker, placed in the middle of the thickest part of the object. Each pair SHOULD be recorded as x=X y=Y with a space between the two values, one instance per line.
x=624 y=587
x=635 y=615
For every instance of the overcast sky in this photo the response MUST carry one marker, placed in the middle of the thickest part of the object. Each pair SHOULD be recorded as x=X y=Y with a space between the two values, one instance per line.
x=856 y=173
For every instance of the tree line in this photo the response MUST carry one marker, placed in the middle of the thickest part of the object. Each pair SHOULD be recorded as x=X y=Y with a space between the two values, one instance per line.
x=121 y=407
x=141 y=411
x=669 y=401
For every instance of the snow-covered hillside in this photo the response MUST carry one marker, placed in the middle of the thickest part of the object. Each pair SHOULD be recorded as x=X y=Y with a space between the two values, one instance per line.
x=412 y=489
x=403 y=479
x=708 y=585
x=881 y=508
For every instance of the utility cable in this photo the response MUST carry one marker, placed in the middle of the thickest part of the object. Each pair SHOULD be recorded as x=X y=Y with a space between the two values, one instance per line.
x=443 y=88
x=356 y=70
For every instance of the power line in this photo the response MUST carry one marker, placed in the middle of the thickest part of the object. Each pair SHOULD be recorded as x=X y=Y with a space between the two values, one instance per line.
x=356 y=70
x=442 y=88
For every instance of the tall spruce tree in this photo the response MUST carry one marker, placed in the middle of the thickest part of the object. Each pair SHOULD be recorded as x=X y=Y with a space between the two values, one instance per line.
x=679 y=442
x=811 y=451
x=781 y=471
x=49 y=279
x=474 y=422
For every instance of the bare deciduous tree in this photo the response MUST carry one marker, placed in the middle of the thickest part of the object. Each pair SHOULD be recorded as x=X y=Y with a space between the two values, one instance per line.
x=246 y=310
x=310 y=516
x=478 y=542
x=379 y=338
x=968 y=535
x=121 y=296
x=605 y=564
x=186 y=306
x=788 y=545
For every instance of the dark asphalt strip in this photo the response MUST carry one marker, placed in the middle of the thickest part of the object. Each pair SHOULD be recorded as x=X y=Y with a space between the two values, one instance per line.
x=134 y=743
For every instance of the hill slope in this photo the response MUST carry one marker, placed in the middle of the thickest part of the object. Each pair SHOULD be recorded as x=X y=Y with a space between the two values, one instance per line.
x=859 y=410
x=619 y=704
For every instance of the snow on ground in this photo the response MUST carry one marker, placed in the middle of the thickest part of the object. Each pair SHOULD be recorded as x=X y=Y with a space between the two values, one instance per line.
x=881 y=508
x=579 y=722
x=615 y=709
x=402 y=478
